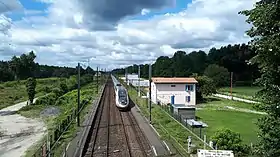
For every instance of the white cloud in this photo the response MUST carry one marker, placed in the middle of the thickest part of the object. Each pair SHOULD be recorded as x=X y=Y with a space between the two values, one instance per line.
x=61 y=38
x=145 y=11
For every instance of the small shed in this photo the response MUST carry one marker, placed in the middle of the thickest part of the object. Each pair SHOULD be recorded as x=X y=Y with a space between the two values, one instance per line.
x=187 y=112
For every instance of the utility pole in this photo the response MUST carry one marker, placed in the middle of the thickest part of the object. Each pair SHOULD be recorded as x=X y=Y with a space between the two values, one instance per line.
x=126 y=75
x=78 y=80
x=231 y=76
x=139 y=81
x=96 y=79
x=150 y=101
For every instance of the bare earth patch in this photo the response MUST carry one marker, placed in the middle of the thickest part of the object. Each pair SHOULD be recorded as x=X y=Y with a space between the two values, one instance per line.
x=18 y=132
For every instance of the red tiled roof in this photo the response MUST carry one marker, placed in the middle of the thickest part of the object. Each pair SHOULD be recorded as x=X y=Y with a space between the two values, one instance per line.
x=174 y=80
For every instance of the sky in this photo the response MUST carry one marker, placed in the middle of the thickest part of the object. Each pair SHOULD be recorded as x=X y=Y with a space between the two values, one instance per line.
x=117 y=33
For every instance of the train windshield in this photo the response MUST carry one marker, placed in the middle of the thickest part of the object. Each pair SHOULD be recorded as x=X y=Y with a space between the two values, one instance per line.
x=122 y=93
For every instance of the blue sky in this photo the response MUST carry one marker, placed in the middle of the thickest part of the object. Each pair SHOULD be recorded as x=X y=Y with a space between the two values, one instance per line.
x=180 y=5
x=39 y=6
x=137 y=39
x=29 y=5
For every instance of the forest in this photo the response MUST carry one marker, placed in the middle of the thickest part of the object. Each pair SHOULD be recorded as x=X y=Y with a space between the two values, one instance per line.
x=235 y=58
x=24 y=66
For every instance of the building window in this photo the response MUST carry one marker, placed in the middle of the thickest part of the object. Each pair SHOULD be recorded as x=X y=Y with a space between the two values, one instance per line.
x=173 y=85
x=189 y=88
x=188 y=98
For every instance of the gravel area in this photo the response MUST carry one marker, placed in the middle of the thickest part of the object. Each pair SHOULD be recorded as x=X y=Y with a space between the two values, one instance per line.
x=19 y=133
x=50 y=111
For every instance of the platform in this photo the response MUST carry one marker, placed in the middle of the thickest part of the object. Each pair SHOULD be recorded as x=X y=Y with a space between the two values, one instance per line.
x=159 y=147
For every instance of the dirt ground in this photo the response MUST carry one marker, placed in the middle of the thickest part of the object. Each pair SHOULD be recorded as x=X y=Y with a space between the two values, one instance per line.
x=18 y=133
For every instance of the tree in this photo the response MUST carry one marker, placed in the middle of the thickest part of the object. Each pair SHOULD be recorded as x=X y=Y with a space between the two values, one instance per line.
x=266 y=40
x=30 y=88
x=232 y=57
x=225 y=139
x=220 y=75
x=204 y=87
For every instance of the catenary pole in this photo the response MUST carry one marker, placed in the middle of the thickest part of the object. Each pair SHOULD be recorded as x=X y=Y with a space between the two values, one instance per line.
x=79 y=81
x=150 y=101
x=97 y=79
x=139 y=81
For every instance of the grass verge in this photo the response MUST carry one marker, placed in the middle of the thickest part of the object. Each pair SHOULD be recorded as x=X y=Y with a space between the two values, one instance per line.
x=69 y=103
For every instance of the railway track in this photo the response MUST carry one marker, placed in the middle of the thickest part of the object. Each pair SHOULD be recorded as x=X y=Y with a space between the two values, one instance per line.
x=114 y=133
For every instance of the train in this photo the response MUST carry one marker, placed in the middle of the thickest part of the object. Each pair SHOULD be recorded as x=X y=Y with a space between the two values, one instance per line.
x=122 y=98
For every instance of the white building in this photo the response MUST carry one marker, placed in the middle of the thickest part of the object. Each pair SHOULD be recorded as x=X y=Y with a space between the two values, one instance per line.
x=132 y=76
x=175 y=90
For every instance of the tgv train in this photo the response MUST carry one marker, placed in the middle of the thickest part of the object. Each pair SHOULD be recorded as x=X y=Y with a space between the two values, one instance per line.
x=122 y=99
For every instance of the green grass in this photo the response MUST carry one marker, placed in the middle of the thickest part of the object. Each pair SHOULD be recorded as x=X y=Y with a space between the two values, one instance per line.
x=217 y=116
x=246 y=92
x=87 y=92
x=165 y=125
x=214 y=102
x=243 y=123
x=15 y=91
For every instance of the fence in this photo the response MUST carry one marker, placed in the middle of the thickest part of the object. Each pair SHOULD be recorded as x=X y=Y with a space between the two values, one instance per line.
x=55 y=137
x=199 y=133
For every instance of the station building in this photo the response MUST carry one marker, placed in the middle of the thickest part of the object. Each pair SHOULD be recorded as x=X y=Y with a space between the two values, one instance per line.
x=176 y=90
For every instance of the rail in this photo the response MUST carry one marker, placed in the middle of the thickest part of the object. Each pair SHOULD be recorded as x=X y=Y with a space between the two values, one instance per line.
x=106 y=135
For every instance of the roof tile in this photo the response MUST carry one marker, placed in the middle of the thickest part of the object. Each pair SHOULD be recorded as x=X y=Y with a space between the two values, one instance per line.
x=174 y=80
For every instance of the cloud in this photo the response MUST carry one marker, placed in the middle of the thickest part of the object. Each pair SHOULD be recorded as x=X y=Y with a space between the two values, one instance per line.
x=65 y=36
x=145 y=11
x=9 y=5
x=107 y=13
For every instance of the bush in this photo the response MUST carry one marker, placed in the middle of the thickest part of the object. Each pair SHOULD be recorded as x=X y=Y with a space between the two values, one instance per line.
x=47 y=89
x=58 y=92
x=61 y=101
x=63 y=87
x=226 y=139
x=46 y=100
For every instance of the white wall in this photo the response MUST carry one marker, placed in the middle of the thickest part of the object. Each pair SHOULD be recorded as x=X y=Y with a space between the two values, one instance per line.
x=153 y=92
x=132 y=76
x=143 y=83
x=163 y=93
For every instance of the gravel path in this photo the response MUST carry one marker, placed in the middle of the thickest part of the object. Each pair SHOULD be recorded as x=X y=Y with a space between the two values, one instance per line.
x=244 y=110
x=19 y=133
x=235 y=98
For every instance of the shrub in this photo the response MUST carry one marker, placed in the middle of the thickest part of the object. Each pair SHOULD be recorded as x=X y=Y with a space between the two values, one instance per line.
x=58 y=92
x=47 y=89
x=61 y=101
x=63 y=87
x=46 y=100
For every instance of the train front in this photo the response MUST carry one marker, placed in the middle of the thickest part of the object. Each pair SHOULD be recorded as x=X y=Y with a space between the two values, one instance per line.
x=123 y=101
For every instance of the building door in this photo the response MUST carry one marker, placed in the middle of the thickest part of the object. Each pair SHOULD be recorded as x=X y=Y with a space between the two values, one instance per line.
x=172 y=99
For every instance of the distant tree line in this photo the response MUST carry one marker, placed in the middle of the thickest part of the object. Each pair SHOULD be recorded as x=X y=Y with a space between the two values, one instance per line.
x=24 y=66
x=230 y=58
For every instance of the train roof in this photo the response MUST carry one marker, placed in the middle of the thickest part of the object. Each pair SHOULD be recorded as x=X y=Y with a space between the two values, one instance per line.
x=121 y=88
